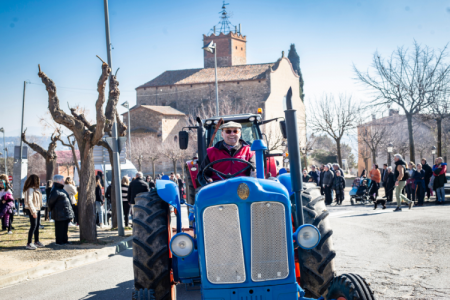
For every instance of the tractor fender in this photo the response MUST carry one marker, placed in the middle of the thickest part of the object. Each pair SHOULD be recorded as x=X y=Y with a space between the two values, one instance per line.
x=168 y=191
x=285 y=180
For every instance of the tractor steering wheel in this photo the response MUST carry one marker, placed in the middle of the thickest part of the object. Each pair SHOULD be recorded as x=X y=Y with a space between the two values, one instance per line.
x=222 y=175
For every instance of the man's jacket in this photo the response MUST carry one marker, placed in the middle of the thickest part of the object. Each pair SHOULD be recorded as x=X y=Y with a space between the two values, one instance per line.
x=137 y=186
x=59 y=203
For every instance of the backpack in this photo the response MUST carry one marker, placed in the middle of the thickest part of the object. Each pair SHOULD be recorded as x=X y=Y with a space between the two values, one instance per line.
x=405 y=174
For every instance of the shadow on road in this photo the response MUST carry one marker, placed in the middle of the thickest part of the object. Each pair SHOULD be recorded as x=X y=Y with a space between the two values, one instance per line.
x=122 y=291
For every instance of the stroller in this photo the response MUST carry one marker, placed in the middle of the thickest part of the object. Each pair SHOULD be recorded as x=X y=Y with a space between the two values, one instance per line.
x=360 y=191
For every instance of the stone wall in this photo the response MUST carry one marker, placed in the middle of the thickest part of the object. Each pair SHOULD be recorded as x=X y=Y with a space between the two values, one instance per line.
x=231 y=50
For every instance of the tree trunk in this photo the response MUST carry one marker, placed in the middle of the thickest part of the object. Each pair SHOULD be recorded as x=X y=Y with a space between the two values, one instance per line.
x=339 y=155
x=50 y=165
x=86 y=199
x=174 y=166
x=374 y=156
x=439 y=136
x=412 y=150
x=366 y=164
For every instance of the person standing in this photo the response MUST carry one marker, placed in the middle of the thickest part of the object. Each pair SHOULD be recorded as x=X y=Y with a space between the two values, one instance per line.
x=390 y=184
x=306 y=177
x=336 y=168
x=125 y=204
x=328 y=177
x=428 y=173
x=419 y=180
x=410 y=185
x=136 y=186
x=375 y=176
x=314 y=175
x=48 y=189
x=180 y=184
x=70 y=188
x=99 y=201
x=61 y=208
x=399 y=175
x=339 y=187
x=150 y=182
x=439 y=170
x=322 y=173
x=33 y=205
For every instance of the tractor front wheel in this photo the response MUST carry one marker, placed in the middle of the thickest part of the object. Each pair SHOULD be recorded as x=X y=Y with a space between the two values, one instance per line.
x=151 y=253
x=350 y=287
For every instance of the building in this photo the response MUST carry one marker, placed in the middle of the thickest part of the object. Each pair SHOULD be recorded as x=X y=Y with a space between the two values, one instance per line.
x=65 y=164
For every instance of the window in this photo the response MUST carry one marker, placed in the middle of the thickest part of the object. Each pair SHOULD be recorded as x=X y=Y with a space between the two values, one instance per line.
x=249 y=133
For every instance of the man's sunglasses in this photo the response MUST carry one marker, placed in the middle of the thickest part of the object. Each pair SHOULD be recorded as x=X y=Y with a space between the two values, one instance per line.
x=229 y=131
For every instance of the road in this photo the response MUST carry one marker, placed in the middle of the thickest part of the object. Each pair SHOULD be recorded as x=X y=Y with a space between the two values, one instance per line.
x=402 y=255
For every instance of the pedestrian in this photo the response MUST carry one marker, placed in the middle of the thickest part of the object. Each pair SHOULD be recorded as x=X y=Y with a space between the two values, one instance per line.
x=410 y=182
x=339 y=187
x=327 y=184
x=33 y=205
x=99 y=201
x=400 y=177
x=322 y=173
x=61 y=208
x=137 y=186
x=108 y=196
x=439 y=170
x=336 y=167
x=70 y=188
x=180 y=184
x=125 y=203
x=150 y=182
x=6 y=206
x=306 y=176
x=9 y=187
x=384 y=177
x=428 y=173
x=48 y=212
x=375 y=177
x=390 y=184
x=314 y=175
x=419 y=177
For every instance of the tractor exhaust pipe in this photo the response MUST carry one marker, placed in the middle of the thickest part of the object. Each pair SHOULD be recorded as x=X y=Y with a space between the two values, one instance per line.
x=294 y=159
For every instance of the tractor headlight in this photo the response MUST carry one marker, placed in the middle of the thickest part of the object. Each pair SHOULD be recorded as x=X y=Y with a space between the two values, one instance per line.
x=182 y=245
x=307 y=236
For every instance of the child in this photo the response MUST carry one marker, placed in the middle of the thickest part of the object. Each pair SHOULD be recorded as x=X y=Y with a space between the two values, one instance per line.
x=6 y=207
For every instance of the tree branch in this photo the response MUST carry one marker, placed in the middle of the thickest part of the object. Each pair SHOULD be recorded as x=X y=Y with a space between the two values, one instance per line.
x=101 y=119
x=34 y=146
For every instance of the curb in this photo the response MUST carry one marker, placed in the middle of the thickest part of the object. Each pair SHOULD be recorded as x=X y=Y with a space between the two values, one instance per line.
x=66 y=264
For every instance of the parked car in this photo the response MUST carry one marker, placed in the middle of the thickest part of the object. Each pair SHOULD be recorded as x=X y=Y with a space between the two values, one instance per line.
x=447 y=185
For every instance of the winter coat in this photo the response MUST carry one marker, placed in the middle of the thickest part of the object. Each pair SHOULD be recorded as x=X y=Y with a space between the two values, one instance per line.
x=136 y=187
x=98 y=194
x=328 y=178
x=108 y=193
x=314 y=175
x=439 y=175
x=390 y=181
x=306 y=178
x=33 y=200
x=338 y=184
x=124 y=192
x=419 y=178
x=7 y=208
x=59 y=203
x=428 y=171
x=72 y=191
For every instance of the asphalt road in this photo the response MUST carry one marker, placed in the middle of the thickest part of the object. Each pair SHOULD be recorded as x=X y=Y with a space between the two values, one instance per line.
x=402 y=255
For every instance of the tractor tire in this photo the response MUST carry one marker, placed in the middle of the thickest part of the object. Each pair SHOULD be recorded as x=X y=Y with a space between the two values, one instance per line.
x=317 y=265
x=350 y=287
x=151 y=253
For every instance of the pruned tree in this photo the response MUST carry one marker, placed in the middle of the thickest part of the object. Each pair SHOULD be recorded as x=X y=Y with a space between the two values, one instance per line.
x=172 y=152
x=372 y=135
x=413 y=80
x=308 y=147
x=146 y=149
x=49 y=155
x=335 y=117
x=87 y=136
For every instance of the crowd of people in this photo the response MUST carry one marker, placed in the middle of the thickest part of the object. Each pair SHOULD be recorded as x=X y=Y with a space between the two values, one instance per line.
x=330 y=178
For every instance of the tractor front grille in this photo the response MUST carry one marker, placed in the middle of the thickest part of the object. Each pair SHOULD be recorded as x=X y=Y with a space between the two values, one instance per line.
x=223 y=244
x=269 y=244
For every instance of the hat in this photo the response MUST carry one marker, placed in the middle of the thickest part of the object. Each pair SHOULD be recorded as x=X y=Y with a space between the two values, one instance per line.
x=230 y=125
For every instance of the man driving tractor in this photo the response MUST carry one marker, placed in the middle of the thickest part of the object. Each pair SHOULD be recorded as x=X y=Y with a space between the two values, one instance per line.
x=232 y=146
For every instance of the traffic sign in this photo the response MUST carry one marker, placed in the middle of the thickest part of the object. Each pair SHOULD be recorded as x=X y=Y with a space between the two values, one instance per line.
x=10 y=178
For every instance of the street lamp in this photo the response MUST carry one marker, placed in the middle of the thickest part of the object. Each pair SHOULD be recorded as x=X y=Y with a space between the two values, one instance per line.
x=127 y=105
x=5 y=155
x=211 y=48
x=433 y=151
x=390 y=148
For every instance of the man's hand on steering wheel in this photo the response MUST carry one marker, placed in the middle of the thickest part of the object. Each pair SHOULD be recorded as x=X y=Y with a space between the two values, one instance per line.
x=226 y=176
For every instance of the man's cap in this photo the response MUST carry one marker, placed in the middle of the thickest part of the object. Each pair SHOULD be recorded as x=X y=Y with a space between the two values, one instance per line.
x=230 y=125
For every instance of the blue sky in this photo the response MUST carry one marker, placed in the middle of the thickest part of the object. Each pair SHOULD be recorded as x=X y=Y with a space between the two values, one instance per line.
x=150 y=37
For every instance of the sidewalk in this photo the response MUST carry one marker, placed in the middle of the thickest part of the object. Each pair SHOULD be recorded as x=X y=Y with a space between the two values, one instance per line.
x=18 y=264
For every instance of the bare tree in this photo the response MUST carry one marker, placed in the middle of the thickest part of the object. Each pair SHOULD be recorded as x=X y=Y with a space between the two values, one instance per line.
x=372 y=135
x=334 y=117
x=36 y=164
x=146 y=149
x=413 y=80
x=87 y=136
x=49 y=155
x=309 y=146
x=172 y=152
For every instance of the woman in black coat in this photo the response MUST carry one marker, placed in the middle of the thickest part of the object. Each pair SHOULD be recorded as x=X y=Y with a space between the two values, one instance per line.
x=59 y=203
x=390 y=184
x=339 y=187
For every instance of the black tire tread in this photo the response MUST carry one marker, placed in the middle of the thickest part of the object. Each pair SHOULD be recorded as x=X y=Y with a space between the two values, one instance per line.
x=151 y=262
x=351 y=286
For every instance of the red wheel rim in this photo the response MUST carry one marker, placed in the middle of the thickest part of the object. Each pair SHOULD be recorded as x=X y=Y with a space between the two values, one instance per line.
x=341 y=298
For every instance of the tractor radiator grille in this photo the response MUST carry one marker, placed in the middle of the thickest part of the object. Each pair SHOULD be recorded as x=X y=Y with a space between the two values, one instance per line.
x=223 y=244
x=269 y=244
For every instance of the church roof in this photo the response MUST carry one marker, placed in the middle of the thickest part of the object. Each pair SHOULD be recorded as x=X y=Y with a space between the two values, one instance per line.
x=164 y=110
x=206 y=75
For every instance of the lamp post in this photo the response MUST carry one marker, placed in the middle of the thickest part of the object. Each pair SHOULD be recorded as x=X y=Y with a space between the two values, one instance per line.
x=211 y=48
x=433 y=151
x=5 y=153
x=390 y=148
x=127 y=105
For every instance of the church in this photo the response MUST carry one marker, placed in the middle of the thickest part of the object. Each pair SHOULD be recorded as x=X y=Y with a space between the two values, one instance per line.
x=248 y=86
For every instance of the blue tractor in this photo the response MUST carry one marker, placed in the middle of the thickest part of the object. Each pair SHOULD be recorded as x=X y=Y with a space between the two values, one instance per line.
x=247 y=238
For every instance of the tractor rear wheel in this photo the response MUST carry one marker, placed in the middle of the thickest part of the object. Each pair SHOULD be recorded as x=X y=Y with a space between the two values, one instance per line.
x=151 y=254
x=317 y=265
x=350 y=287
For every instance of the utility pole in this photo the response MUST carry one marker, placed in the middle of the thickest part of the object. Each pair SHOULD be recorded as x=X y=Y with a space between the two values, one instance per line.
x=21 y=127
x=108 y=41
